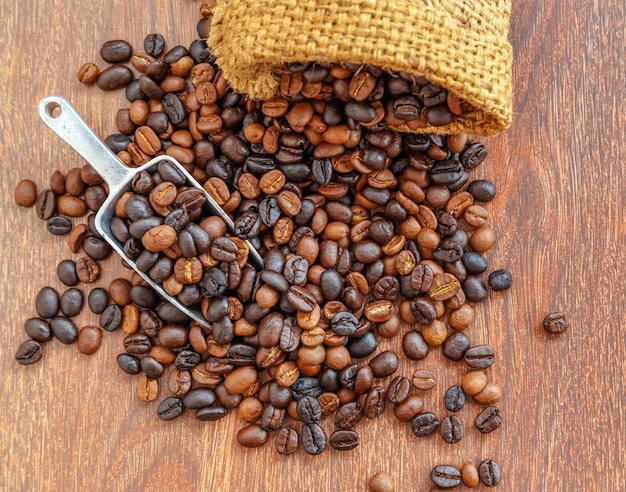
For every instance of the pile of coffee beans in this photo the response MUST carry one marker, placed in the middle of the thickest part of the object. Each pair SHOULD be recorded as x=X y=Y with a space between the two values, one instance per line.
x=365 y=234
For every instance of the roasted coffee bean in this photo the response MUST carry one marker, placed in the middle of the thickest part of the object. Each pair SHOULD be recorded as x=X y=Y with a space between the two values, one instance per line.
x=364 y=346
x=374 y=403
x=98 y=300
x=474 y=288
x=170 y=408
x=500 y=280
x=344 y=440
x=489 y=419
x=29 y=352
x=154 y=44
x=384 y=364
x=313 y=439
x=348 y=415
x=380 y=482
x=89 y=340
x=71 y=302
x=555 y=323
x=64 y=329
x=344 y=324
x=116 y=51
x=473 y=155
x=272 y=418
x=451 y=429
x=87 y=270
x=47 y=302
x=252 y=436
x=38 y=329
x=111 y=317
x=46 y=204
x=199 y=398
x=424 y=424
x=287 y=441
x=479 y=356
x=424 y=379
x=114 y=77
x=482 y=190
x=59 y=225
x=455 y=345
x=398 y=390
x=128 y=363
x=414 y=346
x=445 y=476
x=454 y=398
x=469 y=475
x=25 y=193
x=96 y=248
x=489 y=472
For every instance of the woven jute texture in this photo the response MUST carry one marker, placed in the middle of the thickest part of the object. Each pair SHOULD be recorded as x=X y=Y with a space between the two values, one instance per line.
x=461 y=45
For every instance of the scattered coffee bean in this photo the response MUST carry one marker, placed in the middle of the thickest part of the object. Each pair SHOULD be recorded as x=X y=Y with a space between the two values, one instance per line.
x=29 y=352
x=555 y=323
x=489 y=472
x=445 y=476
x=489 y=419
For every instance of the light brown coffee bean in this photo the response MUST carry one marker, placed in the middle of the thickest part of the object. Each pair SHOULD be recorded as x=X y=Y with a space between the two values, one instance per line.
x=147 y=388
x=25 y=193
x=89 y=340
x=473 y=382
x=159 y=238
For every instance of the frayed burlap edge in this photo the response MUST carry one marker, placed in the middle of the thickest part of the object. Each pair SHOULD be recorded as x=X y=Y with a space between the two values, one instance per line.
x=461 y=45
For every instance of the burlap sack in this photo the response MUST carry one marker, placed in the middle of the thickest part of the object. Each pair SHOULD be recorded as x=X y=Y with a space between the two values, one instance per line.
x=461 y=45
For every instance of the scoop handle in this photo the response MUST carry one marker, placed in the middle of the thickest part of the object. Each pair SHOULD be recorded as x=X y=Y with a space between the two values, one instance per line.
x=61 y=117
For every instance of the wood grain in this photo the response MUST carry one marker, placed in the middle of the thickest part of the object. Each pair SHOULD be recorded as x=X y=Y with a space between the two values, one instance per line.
x=73 y=422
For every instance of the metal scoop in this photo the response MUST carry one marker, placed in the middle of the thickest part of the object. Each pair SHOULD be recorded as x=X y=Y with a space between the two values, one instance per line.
x=62 y=118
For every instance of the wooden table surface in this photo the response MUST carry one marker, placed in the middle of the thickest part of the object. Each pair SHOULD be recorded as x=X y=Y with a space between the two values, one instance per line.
x=73 y=422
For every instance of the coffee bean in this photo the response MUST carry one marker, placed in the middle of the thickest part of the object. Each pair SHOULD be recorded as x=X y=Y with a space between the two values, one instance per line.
x=46 y=204
x=500 y=280
x=66 y=272
x=29 y=352
x=425 y=424
x=344 y=440
x=89 y=340
x=116 y=51
x=479 y=356
x=482 y=190
x=348 y=415
x=47 y=302
x=154 y=44
x=98 y=300
x=170 y=408
x=555 y=323
x=374 y=403
x=87 y=269
x=455 y=345
x=424 y=379
x=313 y=439
x=398 y=390
x=469 y=475
x=199 y=398
x=111 y=317
x=25 y=193
x=64 y=329
x=309 y=410
x=414 y=346
x=489 y=419
x=128 y=363
x=114 y=77
x=489 y=472
x=384 y=364
x=445 y=476
x=454 y=398
x=71 y=302
x=380 y=482
x=451 y=429
x=59 y=225
x=287 y=441
x=38 y=329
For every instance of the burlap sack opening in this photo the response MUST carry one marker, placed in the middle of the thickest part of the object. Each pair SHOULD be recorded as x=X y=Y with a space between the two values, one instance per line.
x=461 y=45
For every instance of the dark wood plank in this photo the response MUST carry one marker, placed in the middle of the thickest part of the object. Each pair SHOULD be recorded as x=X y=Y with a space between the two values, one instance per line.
x=73 y=422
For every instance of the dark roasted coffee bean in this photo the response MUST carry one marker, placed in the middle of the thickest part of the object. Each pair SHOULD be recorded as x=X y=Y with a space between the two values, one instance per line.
x=489 y=472
x=87 y=269
x=454 y=398
x=174 y=108
x=482 y=190
x=111 y=317
x=455 y=345
x=151 y=367
x=187 y=360
x=98 y=300
x=252 y=436
x=64 y=329
x=66 y=272
x=313 y=439
x=398 y=389
x=348 y=415
x=474 y=288
x=374 y=403
x=414 y=346
x=500 y=280
x=214 y=412
x=128 y=363
x=364 y=346
x=96 y=248
x=143 y=296
x=38 y=329
x=344 y=324
x=170 y=408
x=137 y=344
x=473 y=155
x=480 y=356
x=474 y=262
x=344 y=440
x=286 y=441
x=71 y=302
x=423 y=310
x=154 y=44
x=384 y=364
x=114 y=77
x=555 y=323
x=306 y=386
x=445 y=476
x=451 y=429
x=59 y=225
x=424 y=424
x=489 y=419
x=272 y=418
x=116 y=51
x=47 y=302
x=199 y=398
x=29 y=352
